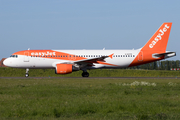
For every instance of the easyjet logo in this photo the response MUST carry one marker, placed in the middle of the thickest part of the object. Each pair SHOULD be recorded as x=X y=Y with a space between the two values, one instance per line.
x=43 y=53
x=159 y=36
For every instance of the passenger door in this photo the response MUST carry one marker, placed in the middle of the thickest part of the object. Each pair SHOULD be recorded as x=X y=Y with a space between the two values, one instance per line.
x=26 y=56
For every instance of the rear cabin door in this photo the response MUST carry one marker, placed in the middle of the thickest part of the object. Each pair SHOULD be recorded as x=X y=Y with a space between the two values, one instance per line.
x=140 y=57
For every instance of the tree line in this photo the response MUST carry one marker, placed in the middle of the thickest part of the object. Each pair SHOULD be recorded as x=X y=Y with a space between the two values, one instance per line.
x=159 y=65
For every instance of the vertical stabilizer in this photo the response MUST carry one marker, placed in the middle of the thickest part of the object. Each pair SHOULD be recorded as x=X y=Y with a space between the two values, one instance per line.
x=158 y=42
x=155 y=48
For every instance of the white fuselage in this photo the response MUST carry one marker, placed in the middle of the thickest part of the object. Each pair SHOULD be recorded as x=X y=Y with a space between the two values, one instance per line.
x=120 y=59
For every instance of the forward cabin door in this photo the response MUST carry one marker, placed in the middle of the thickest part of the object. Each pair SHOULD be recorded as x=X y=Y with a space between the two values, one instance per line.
x=140 y=57
x=26 y=56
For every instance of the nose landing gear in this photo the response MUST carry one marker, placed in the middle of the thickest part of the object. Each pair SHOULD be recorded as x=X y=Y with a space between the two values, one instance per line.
x=27 y=75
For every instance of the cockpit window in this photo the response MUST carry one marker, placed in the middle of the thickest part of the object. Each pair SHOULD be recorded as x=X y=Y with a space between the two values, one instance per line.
x=14 y=56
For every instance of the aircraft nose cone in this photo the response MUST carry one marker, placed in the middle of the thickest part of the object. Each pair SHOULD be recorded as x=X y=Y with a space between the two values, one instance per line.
x=6 y=62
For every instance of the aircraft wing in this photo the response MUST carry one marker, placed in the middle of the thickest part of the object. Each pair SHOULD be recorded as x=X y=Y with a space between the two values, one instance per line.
x=86 y=62
x=89 y=62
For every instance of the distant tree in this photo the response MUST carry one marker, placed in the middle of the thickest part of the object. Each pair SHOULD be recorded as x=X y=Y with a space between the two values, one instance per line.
x=159 y=65
x=155 y=66
x=177 y=63
x=167 y=65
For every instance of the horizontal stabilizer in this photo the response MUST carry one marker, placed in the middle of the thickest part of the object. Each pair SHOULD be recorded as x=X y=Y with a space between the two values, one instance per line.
x=166 y=55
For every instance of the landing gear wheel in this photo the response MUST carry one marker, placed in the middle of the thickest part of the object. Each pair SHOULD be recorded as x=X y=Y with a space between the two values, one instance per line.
x=85 y=74
x=27 y=75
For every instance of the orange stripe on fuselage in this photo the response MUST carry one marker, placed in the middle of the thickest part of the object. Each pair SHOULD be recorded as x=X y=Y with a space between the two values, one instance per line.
x=106 y=63
x=51 y=54
x=146 y=58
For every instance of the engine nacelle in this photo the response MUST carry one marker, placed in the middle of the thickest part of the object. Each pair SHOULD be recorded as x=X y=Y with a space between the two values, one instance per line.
x=63 y=68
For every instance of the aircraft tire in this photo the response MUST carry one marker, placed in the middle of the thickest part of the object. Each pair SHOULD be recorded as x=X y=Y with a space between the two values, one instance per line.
x=85 y=74
x=26 y=75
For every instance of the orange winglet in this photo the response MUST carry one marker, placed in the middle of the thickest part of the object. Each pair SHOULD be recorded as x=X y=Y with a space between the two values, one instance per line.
x=111 y=56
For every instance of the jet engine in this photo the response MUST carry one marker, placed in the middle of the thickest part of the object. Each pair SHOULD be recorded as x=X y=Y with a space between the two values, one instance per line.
x=64 y=68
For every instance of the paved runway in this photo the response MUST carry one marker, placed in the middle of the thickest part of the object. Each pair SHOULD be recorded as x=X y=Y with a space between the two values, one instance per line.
x=90 y=78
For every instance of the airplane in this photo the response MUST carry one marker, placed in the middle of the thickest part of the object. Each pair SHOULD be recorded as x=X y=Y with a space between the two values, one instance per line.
x=68 y=61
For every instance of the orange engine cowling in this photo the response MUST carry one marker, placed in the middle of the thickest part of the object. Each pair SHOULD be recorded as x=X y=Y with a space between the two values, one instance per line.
x=63 y=68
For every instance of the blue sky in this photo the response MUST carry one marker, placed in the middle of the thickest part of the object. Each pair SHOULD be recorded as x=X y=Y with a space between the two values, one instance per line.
x=85 y=24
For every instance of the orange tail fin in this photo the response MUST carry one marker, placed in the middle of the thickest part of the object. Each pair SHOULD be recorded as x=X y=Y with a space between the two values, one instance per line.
x=158 y=42
x=155 y=48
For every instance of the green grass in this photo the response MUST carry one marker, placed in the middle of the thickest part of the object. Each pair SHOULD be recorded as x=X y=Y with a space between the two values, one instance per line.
x=89 y=99
x=15 y=72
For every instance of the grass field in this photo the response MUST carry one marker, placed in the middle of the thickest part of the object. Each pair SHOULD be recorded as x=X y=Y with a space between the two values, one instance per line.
x=15 y=72
x=90 y=99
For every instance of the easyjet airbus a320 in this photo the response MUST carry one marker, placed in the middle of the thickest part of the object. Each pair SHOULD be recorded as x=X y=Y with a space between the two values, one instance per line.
x=67 y=61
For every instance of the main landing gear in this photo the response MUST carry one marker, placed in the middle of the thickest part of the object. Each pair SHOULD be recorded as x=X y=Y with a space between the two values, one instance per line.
x=27 y=70
x=85 y=74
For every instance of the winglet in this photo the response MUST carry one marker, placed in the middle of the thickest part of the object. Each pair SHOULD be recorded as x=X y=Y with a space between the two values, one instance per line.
x=111 y=56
